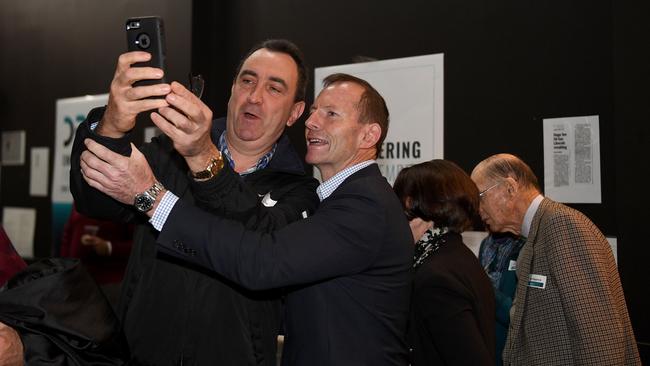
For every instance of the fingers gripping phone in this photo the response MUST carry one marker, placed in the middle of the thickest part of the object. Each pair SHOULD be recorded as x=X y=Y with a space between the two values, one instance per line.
x=147 y=34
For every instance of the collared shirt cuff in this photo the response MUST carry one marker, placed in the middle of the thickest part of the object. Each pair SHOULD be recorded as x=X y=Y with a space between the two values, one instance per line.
x=163 y=210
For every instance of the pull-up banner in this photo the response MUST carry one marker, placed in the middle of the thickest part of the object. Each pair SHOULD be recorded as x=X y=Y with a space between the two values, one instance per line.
x=413 y=88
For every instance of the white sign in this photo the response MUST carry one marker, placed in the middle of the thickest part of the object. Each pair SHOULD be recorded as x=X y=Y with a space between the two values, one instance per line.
x=13 y=147
x=572 y=159
x=70 y=112
x=40 y=167
x=19 y=223
x=413 y=90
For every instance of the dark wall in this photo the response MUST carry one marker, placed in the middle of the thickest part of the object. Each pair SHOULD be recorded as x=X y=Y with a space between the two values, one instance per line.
x=508 y=65
x=60 y=49
x=632 y=138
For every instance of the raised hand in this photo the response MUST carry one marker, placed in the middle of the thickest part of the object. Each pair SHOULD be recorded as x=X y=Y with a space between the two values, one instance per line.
x=187 y=121
x=126 y=101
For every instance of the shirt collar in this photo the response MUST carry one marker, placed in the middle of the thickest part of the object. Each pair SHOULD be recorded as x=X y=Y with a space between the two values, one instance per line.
x=326 y=188
x=530 y=213
x=262 y=163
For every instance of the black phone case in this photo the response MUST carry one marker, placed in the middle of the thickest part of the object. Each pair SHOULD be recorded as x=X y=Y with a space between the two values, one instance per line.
x=147 y=34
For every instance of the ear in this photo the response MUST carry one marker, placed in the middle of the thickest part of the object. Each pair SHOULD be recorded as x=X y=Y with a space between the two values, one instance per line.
x=296 y=112
x=512 y=186
x=371 y=134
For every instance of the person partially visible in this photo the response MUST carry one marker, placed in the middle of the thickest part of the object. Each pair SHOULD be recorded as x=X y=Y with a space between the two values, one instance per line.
x=569 y=307
x=10 y=261
x=11 y=348
x=452 y=306
x=103 y=246
x=498 y=255
x=53 y=313
x=242 y=167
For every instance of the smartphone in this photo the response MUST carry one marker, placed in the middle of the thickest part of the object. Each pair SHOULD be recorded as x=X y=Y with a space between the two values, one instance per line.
x=147 y=34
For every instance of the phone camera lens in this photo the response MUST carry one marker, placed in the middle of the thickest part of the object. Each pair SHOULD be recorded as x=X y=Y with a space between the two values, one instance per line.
x=143 y=41
x=133 y=25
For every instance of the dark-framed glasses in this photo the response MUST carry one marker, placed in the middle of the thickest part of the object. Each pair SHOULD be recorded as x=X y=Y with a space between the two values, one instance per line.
x=482 y=193
x=196 y=85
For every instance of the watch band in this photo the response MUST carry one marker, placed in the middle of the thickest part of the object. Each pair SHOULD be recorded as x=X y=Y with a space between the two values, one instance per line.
x=215 y=164
x=144 y=201
x=155 y=189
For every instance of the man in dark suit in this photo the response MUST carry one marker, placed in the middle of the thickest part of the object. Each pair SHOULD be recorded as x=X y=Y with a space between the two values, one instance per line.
x=174 y=312
x=569 y=307
x=347 y=266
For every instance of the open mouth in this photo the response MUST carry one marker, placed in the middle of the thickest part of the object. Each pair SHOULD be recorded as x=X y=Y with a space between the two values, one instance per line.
x=311 y=141
x=250 y=115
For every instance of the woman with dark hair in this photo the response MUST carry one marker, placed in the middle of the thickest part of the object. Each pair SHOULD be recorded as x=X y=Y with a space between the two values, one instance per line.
x=452 y=306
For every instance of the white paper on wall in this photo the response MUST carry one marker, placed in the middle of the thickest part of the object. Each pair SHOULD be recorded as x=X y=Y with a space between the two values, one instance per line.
x=39 y=172
x=572 y=159
x=19 y=224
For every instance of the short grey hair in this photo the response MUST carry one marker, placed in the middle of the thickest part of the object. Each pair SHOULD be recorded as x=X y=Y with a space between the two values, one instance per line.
x=502 y=166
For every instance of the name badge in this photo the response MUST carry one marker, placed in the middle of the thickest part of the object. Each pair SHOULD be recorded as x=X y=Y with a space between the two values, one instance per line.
x=537 y=281
x=512 y=266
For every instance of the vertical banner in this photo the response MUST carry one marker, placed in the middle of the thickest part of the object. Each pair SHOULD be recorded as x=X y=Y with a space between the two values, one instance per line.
x=413 y=90
x=572 y=159
x=70 y=112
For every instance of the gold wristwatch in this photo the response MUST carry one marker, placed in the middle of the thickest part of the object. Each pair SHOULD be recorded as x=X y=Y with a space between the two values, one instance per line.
x=215 y=164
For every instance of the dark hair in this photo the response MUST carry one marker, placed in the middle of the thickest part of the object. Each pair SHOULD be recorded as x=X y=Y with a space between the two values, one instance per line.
x=438 y=191
x=289 y=48
x=372 y=106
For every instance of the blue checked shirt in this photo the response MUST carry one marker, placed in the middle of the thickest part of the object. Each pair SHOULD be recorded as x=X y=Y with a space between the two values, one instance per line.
x=326 y=188
x=169 y=199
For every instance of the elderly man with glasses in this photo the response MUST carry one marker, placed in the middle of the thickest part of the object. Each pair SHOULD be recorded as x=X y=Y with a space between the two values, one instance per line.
x=569 y=307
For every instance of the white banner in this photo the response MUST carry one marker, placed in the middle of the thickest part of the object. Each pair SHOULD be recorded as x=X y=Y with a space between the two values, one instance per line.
x=70 y=112
x=413 y=88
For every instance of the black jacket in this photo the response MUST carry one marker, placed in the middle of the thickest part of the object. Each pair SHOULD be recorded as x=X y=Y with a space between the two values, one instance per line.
x=452 y=309
x=174 y=312
x=62 y=317
x=349 y=262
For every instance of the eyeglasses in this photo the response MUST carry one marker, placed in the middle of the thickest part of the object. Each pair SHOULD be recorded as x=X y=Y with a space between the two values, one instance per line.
x=196 y=85
x=482 y=193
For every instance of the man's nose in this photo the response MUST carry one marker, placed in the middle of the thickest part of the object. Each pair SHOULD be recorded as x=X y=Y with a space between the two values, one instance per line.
x=312 y=122
x=255 y=96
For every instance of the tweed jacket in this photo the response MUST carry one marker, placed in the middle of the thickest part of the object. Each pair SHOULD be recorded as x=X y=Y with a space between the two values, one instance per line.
x=580 y=316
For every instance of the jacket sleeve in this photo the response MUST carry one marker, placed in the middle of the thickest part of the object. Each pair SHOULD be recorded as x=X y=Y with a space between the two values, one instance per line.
x=292 y=198
x=88 y=200
x=342 y=238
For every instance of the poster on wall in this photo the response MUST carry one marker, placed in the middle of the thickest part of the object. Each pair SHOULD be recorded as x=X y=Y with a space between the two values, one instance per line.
x=70 y=112
x=413 y=90
x=572 y=159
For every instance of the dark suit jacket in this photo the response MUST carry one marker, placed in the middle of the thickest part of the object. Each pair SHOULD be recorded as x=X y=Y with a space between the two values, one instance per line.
x=580 y=317
x=350 y=263
x=452 y=309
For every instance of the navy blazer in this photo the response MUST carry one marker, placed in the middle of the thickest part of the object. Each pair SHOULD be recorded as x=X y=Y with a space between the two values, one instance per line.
x=348 y=265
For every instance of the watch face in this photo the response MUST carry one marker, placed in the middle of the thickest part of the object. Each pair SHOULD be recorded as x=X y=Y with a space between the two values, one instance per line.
x=143 y=202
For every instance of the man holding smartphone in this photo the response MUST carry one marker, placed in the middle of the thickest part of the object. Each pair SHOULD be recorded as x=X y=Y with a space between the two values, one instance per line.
x=174 y=312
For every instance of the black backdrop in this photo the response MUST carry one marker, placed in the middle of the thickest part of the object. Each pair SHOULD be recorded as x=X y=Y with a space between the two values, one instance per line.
x=508 y=65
